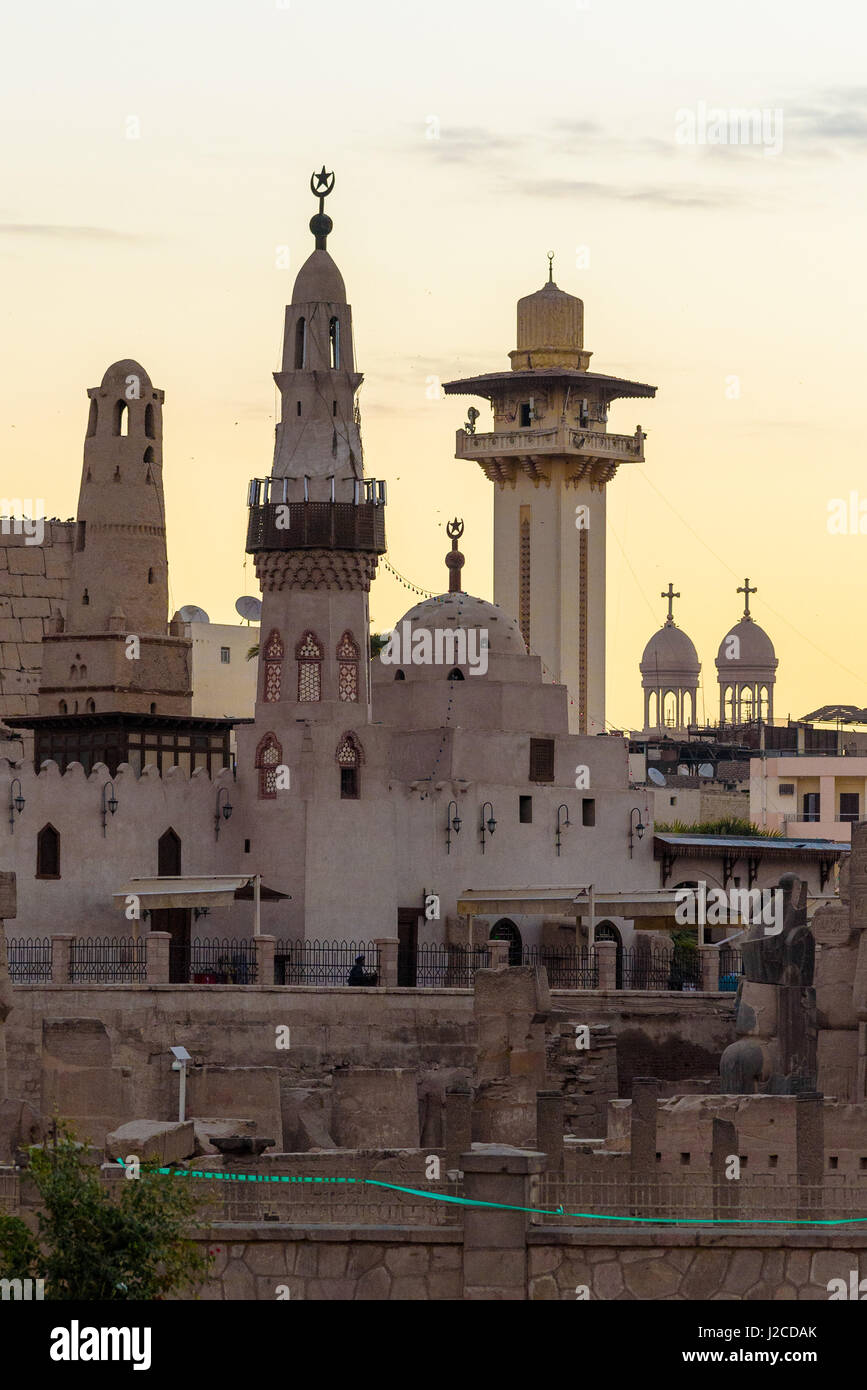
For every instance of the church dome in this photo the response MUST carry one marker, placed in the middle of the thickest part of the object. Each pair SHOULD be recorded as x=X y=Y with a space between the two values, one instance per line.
x=670 y=655
x=755 y=649
x=319 y=281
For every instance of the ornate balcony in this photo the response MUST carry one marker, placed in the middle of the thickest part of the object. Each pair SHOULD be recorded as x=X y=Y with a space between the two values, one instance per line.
x=274 y=525
x=596 y=454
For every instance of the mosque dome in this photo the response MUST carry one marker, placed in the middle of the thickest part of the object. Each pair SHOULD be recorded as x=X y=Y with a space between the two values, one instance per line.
x=550 y=331
x=116 y=377
x=670 y=656
x=319 y=281
x=460 y=610
x=755 y=650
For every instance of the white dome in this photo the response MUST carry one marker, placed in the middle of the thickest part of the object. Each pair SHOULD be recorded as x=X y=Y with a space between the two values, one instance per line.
x=670 y=654
x=755 y=650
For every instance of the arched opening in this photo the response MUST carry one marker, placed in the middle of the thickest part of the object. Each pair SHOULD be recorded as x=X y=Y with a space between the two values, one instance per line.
x=63 y=707
x=606 y=931
x=85 y=598
x=91 y=707
x=174 y=920
x=121 y=418
x=48 y=853
x=746 y=702
x=269 y=755
x=92 y=418
x=150 y=576
x=505 y=930
x=308 y=654
x=455 y=675
x=300 y=344
x=153 y=708
x=349 y=762
x=149 y=422
x=149 y=458
x=348 y=653
x=334 y=343
x=273 y=678
x=169 y=854
x=669 y=708
x=400 y=675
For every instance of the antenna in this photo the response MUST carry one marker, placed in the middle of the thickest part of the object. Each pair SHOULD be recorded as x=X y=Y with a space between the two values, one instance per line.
x=249 y=608
x=655 y=777
x=191 y=613
x=705 y=769
x=472 y=417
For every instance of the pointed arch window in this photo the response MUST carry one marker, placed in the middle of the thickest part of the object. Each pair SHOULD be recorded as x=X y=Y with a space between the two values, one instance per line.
x=149 y=422
x=308 y=654
x=48 y=853
x=334 y=342
x=273 y=667
x=92 y=418
x=300 y=343
x=269 y=756
x=121 y=418
x=349 y=756
x=347 y=667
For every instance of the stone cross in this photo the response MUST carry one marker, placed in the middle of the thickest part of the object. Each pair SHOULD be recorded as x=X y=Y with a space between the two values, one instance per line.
x=671 y=596
x=746 y=591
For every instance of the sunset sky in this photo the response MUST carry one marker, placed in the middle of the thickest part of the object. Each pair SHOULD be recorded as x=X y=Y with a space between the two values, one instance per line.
x=157 y=157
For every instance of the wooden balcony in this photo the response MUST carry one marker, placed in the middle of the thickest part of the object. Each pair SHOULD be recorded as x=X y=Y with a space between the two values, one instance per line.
x=316 y=525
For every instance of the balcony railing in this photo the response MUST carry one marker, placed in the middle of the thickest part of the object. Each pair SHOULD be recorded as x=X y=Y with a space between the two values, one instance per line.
x=277 y=525
x=562 y=439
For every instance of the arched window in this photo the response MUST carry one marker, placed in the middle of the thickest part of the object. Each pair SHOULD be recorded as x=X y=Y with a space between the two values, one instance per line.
x=48 y=853
x=91 y=707
x=85 y=598
x=455 y=675
x=92 y=418
x=121 y=418
x=150 y=576
x=347 y=667
x=349 y=756
x=269 y=755
x=308 y=654
x=669 y=706
x=273 y=667
x=334 y=342
x=73 y=673
x=63 y=707
x=153 y=708
x=300 y=343
x=149 y=458
x=505 y=930
x=400 y=675
x=169 y=855
x=149 y=422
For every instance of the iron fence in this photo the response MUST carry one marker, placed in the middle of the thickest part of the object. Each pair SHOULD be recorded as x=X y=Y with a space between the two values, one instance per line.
x=433 y=966
x=10 y=1192
x=763 y=1197
x=730 y=968
x=323 y=1201
x=105 y=960
x=325 y=962
x=568 y=967
x=226 y=961
x=29 y=959
x=677 y=968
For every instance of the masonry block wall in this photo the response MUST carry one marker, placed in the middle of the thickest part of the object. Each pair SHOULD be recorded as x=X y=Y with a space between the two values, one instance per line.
x=34 y=584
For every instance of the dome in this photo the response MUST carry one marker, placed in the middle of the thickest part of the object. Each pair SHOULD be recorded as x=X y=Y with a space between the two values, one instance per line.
x=550 y=318
x=755 y=649
x=115 y=377
x=670 y=655
x=464 y=611
x=319 y=281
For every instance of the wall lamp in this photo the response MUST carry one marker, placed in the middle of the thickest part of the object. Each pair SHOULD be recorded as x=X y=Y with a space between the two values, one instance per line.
x=453 y=823
x=109 y=805
x=564 y=825
x=637 y=829
x=490 y=823
x=16 y=803
x=226 y=811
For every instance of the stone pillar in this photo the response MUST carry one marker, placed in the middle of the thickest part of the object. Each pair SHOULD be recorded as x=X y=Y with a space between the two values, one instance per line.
x=549 y=1126
x=61 y=954
x=157 y=947
x=495 y=1240
x=499 y=954
x=458 y=1125
x=264 y=959
x=810 y=1153
x=725 y=1190
x=606 y=960
x=387 y=953
x=642 y=1146
x=709 y=969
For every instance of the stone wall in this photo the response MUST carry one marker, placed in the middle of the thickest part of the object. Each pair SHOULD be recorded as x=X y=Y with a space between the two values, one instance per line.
x=34 y=582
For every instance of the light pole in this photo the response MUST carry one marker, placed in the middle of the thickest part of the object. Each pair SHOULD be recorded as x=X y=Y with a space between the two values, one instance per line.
x=16 y=803
x=107 y=806
x=637 y=829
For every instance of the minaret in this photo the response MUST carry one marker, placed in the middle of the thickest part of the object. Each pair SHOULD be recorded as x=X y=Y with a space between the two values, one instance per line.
x=317 y=525
x=551 y=455
x=118 y=587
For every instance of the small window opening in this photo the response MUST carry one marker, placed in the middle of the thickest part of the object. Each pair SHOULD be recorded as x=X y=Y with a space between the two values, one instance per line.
x=526 y=418
x=588 y=811
x=300 y=344
x=455 y=675
x=121 y=418
x=150 y=576
x=85 y=598
x=333 y=407
x=149 y=422
x=92 y=418
x=153 y=709
x=246 y=846
x=349 y=783
x=525 y=810
x=400 y=675
x=334 y=342
x=297 y=407
x=225 y=655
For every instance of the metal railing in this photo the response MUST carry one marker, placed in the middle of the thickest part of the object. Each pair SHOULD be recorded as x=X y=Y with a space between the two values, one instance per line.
x=107 y=960
x=434 y=966
x=730 y=968
x=230 y=961
x=762 y=1197
x=568 y=967
x=323 y=962
x=29 y=959
x=324 y=1202
x=660 y=968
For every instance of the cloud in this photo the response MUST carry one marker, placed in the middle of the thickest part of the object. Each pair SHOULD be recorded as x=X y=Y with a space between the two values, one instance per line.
x=658 y=196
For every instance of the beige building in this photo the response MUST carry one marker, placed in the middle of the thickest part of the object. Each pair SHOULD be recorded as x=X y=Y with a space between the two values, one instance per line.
x=224 y=681
x=804 y=796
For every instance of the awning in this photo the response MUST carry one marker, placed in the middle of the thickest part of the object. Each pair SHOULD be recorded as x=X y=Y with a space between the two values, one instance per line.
x=211 y=891
x=650 y=903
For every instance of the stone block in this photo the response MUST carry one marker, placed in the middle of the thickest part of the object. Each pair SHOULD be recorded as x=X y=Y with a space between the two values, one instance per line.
x=30 y=653
x=250 y=1091
x=374 y=1286
x=207 y=1128
x=10 y=630
x=26 y=559
x=169 y=1141
x=37 y=586
x=375 y=1108
x=33 y=630
x=31 y=607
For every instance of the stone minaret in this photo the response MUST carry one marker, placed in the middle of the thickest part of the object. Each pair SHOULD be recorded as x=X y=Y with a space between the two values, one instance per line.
x=551 y=456
x=119 y=577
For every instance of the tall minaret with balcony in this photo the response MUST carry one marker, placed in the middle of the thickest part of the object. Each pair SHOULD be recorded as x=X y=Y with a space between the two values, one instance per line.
x=551 y=455
x=316 y=525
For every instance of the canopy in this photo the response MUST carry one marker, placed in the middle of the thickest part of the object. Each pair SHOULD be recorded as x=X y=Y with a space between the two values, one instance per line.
x=216 y=890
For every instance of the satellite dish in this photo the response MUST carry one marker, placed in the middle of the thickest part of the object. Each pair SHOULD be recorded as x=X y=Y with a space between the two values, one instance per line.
x=705 y=769
x=191 y=613
x=655 y=776
x=249 y=608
